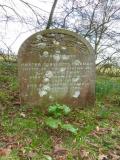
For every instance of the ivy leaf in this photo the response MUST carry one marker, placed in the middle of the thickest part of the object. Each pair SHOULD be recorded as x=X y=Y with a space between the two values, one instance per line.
x=66 y=109
x=47 y=157
x=70 y=128
x=52 y=123
x=58 y=110
x=52 y=109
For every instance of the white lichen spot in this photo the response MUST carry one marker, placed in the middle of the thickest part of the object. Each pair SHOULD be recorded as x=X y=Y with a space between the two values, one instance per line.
x=52 y=35
x=76 y=79
x=42 y=93
x=46 y=80
x=63 y=48
x=57 y=52
x=62 y=69
x=65 y=57
x=39 y=37
x=56 y=57
x=48 y=74
x=45 y=53
x=62 y=36
x=46 y=87
x=51 y=97
x=76 y=94
x=77 y=62
x=56 y=42
x=41 y=45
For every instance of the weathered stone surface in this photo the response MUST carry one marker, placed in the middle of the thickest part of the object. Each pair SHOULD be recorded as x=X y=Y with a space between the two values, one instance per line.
x=57 y=66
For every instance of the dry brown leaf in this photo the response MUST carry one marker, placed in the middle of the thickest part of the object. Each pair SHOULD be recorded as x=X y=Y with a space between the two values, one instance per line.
x=59 y=150
x=117 y=147
x=114 y=156
x=102 y=157
x=84 y=153
x=93 y=144
x=117 y=122
x=61 y=158
x=17 y=103
x=31 y=154
x=100 y=131
x=5 y=151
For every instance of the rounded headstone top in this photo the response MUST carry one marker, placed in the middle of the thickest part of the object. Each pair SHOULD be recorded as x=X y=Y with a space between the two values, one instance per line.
x=37 y=37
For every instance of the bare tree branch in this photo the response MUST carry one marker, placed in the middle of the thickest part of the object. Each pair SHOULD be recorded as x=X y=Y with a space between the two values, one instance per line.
x=49 y=23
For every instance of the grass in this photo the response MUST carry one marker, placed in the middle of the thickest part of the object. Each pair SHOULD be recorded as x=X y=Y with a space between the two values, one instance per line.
x=23 y=127
x=107 y=86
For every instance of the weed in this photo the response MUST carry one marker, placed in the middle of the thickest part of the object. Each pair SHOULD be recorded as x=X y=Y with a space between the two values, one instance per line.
x=54 y=122
x=4 y=97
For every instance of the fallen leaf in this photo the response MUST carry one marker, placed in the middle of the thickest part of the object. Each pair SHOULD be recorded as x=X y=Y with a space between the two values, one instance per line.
x=31 y=154
x=100 y=131
x=117 y=147
x=17 y=103
x=59 y=150
x=5 y=151
x=114 y=156
x=103 y=157
x=84 y=153
x=97 y=129
x=22 y=115
x=93 y=144
x=61 y=158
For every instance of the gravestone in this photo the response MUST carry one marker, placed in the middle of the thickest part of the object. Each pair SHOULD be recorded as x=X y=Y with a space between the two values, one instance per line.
x=56 y=66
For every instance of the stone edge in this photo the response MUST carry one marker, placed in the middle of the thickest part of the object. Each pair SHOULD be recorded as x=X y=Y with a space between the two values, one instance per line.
x=64 y=31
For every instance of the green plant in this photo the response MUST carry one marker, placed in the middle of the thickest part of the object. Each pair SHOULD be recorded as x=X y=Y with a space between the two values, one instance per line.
x=52 y=123
x=4 y=97
x=115 y=99
x=69 y=127
x=57 y=111
x=103 y=112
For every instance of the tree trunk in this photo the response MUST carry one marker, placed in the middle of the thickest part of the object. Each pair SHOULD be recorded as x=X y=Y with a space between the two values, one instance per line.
x=51 y=14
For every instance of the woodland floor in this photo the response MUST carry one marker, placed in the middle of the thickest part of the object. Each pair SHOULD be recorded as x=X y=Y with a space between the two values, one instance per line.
x=24 y=136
